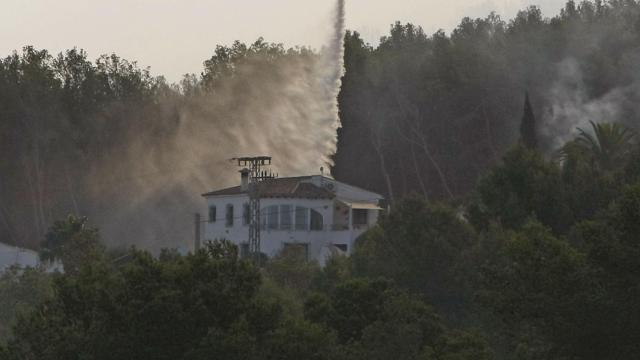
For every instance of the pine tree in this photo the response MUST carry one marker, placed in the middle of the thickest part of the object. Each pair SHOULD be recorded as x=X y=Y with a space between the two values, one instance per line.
x=528 y=126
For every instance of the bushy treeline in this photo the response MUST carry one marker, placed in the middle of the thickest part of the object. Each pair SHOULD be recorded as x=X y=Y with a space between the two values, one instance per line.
x=542 y=262
x=212 y=304
x=60 y=116
x=542 y=258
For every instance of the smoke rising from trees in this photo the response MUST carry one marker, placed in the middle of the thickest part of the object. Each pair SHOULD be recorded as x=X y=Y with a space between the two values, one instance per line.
x=428 y=114
x=144 y=157
x=256 y=100
x=571 y=106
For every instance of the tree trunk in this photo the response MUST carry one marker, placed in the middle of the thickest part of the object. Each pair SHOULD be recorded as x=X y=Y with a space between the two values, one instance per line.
x=377 y=144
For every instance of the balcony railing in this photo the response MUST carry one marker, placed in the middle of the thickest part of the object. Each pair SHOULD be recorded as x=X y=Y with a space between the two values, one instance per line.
x=328 y=227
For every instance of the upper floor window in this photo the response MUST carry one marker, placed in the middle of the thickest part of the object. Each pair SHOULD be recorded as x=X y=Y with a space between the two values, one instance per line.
x=286 y=217
x=246 y=214
x=272 y=217
x=229 y=216
x=263 y=218
x=212 y=213
x=316 y=221
x=290 y=217
x=302 y=218
x=360 y=217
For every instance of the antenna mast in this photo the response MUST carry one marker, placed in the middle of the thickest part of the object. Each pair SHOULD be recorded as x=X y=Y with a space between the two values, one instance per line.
x=256 y=175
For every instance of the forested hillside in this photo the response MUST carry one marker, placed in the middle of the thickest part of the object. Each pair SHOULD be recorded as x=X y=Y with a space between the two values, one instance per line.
x=107 y=140
x=509 y=152
x=427 y=114
x=541 y=264
x=421 y=114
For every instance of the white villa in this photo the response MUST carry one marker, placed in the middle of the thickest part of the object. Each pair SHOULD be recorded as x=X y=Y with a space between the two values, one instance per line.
x=11 y=255
x=317 y=213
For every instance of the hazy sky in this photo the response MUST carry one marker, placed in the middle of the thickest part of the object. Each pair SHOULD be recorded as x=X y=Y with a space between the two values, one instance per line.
x=174 y=37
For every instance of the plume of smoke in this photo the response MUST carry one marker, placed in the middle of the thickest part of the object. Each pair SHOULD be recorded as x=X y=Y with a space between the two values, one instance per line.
x=571 y=107
x=285 y=107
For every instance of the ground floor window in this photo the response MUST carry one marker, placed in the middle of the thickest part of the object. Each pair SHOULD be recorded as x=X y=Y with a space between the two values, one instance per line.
x=342 y=247
x=302 y=218
x=296 y=250
x=244 y=250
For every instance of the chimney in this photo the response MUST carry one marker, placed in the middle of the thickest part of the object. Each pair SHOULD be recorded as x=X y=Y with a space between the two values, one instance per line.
x=244 y=179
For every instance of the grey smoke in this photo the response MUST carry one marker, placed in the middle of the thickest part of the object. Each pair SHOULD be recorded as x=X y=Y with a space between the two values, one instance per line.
x=571 y=107
x=285 y=108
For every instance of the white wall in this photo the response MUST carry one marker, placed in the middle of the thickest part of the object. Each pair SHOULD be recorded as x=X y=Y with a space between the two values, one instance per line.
x=10 y=255
x=218 y=230
x=272 y=240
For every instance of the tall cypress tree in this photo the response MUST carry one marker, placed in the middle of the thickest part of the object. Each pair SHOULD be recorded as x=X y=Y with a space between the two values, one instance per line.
x=528 y=134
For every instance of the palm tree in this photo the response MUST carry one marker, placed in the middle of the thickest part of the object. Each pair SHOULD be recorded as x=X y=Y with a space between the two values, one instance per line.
x=606 y=149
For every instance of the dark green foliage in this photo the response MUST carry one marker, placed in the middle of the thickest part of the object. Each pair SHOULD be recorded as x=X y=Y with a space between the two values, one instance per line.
x=523 y=187
x=21 y=291
x=528 y=130
x=606 y=150
x=290 y=340
x=196 y=306
x=631 y=172
x=612 y=246
x=208 y=305
x=596 y=165
x=540 y=288
x=589 y=190
x=558 y=299
x=72 y=243
x=417 y=245
x=337 y=269
x=290 y=269
x=374 y=320
x=612 y=240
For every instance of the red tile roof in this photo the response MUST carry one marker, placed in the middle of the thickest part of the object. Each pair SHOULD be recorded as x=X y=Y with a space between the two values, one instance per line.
x=294 y=187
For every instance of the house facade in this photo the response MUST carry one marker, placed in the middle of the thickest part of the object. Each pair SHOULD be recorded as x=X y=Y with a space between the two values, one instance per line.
x=11 y=255
x=317 y=214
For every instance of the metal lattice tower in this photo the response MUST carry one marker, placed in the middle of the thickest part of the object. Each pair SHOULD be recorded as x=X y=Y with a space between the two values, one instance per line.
x=257 y=174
